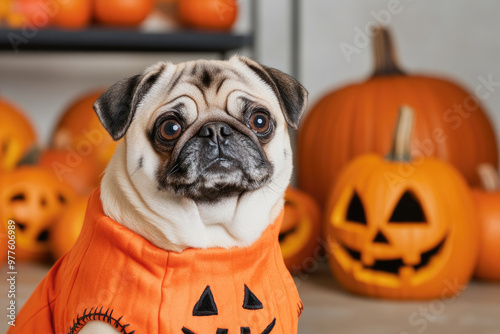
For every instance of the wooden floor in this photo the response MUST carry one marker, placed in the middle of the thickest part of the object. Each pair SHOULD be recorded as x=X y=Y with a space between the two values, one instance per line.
x=330 y=310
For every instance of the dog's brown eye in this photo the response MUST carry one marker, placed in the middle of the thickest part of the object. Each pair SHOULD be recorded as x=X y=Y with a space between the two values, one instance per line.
x=259 y=122
x=170 y=129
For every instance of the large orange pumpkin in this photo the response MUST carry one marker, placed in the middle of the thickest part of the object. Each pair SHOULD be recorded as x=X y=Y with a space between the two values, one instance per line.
x=67 y=227
x=79 y=173
x=126 y=13
x=80 y=133
x=208 y=14
x=488 y=211
x=17 y=136
x=33 y=198
x=401 y=228
x=357 y=119
x=300 y=231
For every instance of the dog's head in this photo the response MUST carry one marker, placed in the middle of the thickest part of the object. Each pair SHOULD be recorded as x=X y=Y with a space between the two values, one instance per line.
x=205 y=129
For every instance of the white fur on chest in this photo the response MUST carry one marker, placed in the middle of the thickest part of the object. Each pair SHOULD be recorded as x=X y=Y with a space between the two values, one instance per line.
x=175 y=223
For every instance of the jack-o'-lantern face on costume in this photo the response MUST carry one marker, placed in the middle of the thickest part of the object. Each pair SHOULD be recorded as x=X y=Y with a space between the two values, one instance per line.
x=401 y=230
x=206 y=306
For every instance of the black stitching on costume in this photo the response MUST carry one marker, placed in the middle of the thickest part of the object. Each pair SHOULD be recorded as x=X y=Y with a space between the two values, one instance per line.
x=186 y=331
x=206 y=304
x=251 y=302
x=97 y=314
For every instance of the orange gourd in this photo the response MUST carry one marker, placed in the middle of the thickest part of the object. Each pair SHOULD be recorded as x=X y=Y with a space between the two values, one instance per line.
x=300 y=231
x=33 y=198
x=125 y=13
x=67 y=227
x=208 y=14
x=357 y=119
x=80 y=133
x=488 y=211
x=400 y=227
x=17 y=136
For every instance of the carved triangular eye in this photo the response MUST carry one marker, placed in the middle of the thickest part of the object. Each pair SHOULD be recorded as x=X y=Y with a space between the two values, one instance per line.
x=356 y=211
x=408 y=210
x=251 y=302
x=206 y=304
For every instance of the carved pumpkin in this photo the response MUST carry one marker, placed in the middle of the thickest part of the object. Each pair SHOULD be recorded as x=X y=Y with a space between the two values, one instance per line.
x=33 y=198
x=357 y=119
x=81 y=135
x=301 y=229
x=67 y=227
x=488 y=210
x=401 y=228
x=17 y=136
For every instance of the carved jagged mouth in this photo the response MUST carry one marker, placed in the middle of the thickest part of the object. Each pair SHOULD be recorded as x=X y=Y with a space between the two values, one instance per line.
x=392 y=266
x=243 y=330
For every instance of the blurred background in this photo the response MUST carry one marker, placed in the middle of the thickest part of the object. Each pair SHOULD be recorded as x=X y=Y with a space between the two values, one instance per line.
x=326 y=45
x=453 y=38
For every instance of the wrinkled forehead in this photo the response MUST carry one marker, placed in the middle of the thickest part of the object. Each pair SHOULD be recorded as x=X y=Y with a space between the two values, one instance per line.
x=208 y=85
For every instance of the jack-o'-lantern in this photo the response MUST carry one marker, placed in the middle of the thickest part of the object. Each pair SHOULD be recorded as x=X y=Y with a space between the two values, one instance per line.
x=17 y=136
x=300 y=230
x=67 y=227
x=488 y=212
x=401 y=228
x=80 y=133
x=33 y=198
x=450 y=125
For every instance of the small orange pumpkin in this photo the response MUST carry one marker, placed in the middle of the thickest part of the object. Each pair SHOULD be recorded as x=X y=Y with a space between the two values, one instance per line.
x=67 y=227
x=17 y=136
x=33 y=198
x=401 y=228
x=79 y=173
x=208 y=14
x=301 y=229
x=357 y=119
x=488 y=210
x=80 y=133
x=123 y=13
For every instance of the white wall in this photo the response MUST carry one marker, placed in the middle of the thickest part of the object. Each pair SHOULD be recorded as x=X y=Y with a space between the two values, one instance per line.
x=455 y=38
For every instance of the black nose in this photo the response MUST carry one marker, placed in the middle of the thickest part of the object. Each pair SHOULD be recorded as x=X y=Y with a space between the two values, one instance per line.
x=217 y=132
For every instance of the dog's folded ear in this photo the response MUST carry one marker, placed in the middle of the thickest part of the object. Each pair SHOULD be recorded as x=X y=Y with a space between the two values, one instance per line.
x=291 y=94
x=117 y=106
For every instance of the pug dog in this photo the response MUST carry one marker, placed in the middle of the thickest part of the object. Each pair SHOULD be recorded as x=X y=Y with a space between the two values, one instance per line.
x=205 y=155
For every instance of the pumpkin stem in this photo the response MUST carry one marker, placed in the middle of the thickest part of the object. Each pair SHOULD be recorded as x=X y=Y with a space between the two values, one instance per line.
x=402 y=136
x=489 y=177
x=385 y=57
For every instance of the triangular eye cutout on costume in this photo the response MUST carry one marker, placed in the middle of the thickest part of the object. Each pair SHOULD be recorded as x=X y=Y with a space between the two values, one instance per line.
x=356 y=211
x=408 y=210
x=206 y=304
x=251 y=302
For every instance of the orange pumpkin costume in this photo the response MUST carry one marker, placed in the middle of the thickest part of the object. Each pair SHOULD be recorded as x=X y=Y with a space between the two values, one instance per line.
x=117 y=276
